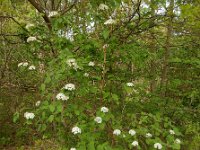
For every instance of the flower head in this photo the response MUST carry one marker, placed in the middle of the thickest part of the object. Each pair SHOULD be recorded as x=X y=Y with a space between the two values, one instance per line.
x=157 y=146
x=130 y=84
x=177 y=141
x=28 y=26
x=91 y=64
x=132 y=132
x=24 y=64
x=171 y=132
x=148 y=135
x=37 y=103
x=98 y=119
x=31 y=39
x=76 y=130
x=32 y=67
x=29 y=115
x=103 y=7
x=69 y=86
x=72 y=63
x=52 y=14
x=86 y=74
x=61 y=96
x=110 y=21
x=134 y=143
x=117 y=132
x=104 y=109
x=72 y=148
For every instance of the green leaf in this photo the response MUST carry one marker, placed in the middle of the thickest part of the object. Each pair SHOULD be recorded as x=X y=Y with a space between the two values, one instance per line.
x=115 y=97
x=91 y=145
x=105 y=34
x=15 y=117
x=51 y=108
x=43 y=87
x=51 y=118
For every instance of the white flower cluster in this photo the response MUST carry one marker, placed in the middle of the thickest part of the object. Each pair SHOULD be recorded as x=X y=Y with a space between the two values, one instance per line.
x=104 y=109
x=117 y=132
x=177 y=141
x=86 y=74
x=31 y=39
x=23 y=64
x=52 y=14
x=171 y=132
x=29 y=25
x=148 y=135
x=37 y=103
x=91 y=64
x=132 y=132
x=157 y=146
x=69 y=87
x=72 y=63
x=110 y=21
x=134 y=143
x=76 y=130
x=129 y=84
x=61 y=96
x=103 y=7
x=29 y=115
x=98 y=119
x=72 y=148
x=32 y=67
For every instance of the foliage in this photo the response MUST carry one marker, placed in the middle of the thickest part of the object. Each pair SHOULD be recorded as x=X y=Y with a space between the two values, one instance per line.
x=125 y=56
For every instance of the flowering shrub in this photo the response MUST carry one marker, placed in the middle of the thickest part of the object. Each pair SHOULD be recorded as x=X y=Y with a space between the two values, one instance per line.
x=96 y=91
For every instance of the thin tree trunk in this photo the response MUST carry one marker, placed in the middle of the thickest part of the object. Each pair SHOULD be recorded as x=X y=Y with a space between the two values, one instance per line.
x=165 y=69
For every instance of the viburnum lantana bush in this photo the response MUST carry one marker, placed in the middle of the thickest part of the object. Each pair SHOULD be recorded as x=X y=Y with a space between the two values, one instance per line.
x=94 y=92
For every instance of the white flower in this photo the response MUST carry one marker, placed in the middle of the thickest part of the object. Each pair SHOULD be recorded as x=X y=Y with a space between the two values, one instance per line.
x=132 y=132
x=28 y=26
x=177 y=141
x=105 y=46
x=104 y=109
x=98 y=119
x=32 y=67
x=135 y=143
x=171 y=132
x=72 y=148
x=130 y=84
x=31 y=39
x=69 y=86
x=72 y=63
x=103 y=7
x=148 y=135
x=20 y=64
x=86 y=74
x=157 y=146
x=76 y=130
x=37 y=103
x=52 y=13
x=28 y=115
x=91 y=64
x=25 y=64
x=61 y=96
x=110 y=21
x=117 y=132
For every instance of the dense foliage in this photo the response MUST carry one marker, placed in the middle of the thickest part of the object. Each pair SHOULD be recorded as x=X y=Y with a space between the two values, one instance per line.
x=100 y=74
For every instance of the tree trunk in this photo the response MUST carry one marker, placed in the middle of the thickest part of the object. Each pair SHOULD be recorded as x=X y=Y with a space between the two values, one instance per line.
x=165 y=69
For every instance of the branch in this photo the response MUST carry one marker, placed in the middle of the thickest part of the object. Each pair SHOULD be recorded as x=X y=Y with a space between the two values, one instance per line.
x=41 y=10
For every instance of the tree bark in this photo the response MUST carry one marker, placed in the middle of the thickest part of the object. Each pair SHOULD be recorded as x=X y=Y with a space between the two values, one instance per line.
x=165 y=69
